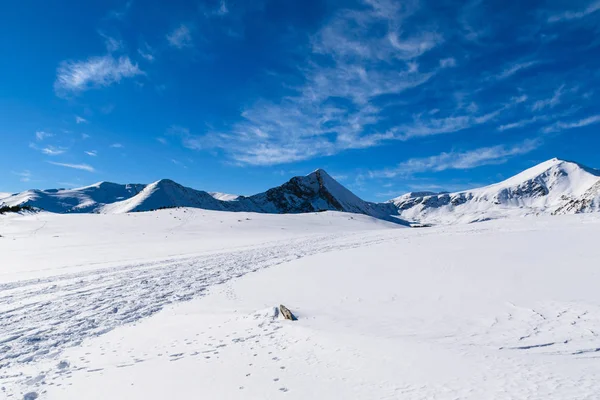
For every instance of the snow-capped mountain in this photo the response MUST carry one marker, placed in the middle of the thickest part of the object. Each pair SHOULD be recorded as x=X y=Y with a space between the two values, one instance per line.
x=311 y=193
x=85 y=199
x=552 y=187
x=165 y=193
x=4 y=195
x=316 y=191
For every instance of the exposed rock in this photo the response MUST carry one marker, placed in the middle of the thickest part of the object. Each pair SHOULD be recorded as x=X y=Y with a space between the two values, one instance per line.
x=287 y=314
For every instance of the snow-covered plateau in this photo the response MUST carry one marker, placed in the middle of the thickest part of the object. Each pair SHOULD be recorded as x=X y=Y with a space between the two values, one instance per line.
x=179 y=304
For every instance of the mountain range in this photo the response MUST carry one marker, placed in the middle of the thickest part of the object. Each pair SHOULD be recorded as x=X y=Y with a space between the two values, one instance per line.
x=552 y=187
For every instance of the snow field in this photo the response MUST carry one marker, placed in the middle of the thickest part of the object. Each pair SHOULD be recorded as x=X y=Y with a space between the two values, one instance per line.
x=498 y=310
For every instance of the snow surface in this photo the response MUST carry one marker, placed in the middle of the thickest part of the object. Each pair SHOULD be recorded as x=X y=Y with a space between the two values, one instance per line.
x=4 y=195
x=162 y=305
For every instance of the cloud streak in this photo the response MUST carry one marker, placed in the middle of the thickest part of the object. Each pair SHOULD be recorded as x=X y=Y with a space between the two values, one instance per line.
x=95 y=72
x=551 y=102
x=458 y=160
x=561 y=126
x=147 y=52
x=53 y=151
x=573 y=15
x=513 y=69
x=82 y=167
x=520 y=124
x=111 y=43
x=49 y=150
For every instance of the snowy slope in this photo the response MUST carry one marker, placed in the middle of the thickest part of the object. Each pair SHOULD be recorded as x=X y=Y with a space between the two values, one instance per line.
x=552 y=187
x=163 y=194
x=454 y=312
x=85 y=199
x=4 y=195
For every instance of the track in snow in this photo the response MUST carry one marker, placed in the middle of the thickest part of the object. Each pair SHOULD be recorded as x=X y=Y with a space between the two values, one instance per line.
x=41 y=317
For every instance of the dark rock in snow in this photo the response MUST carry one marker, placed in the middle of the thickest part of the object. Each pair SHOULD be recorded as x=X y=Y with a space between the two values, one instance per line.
x=287 y=314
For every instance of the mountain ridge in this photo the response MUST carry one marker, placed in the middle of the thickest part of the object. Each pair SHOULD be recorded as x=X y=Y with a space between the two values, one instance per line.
x=552 y=187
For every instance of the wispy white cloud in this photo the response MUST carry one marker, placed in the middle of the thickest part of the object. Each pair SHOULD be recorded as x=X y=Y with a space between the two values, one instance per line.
x=426 y=125
x=48 y=150
x=513 y=69
x=551 y=102
x=80 y=120
x=92 y=153
x=180 y=37
x=350 y=34
x=220 y=10
x=41 y=135
x=53 y=151
x=458 y=160
x=279 y=133
x=448 y=62
x=412 y=47
x=78 y=76
x=520 y=99
x=24 y=176
x=85 y=136
x=111 y=43
x=147 y=52
x=435 y=126
x=223 y=9
x=83 y=167
x=561 y=126
x=571 y=15
x=178 y=163
x=116 y=146
x=161 y=140
x=536 y=119
x=333 y=110
x=520 y=124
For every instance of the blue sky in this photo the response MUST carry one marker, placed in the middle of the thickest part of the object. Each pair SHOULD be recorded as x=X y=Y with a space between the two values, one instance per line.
x=238 y=96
